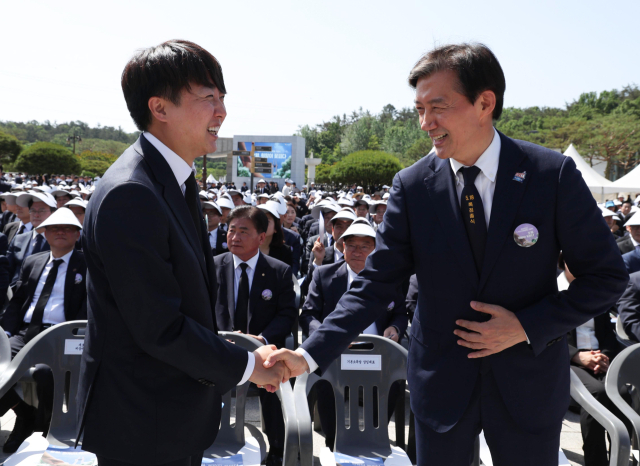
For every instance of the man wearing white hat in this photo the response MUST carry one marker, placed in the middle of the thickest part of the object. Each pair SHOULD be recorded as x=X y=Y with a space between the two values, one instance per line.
x=78 y=207
x=22 y=223
x=332 y=254
x=41 y=206
x=632 y=258
x=287 y=187
x=62 y=196
x=51 y=290
x=262 y=187
x=226 y=205
x=217 y=236
x=329 y=283
x=329 y=210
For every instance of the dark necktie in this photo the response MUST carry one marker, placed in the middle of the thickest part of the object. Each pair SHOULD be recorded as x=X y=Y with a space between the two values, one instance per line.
x=191 y=196
x=37 y=247
x=242 y=305
x=21 y=229
x=35 y=326
x=473 y=215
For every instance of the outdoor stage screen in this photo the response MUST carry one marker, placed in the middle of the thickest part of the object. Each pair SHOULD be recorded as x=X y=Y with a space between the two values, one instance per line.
x=279 y=157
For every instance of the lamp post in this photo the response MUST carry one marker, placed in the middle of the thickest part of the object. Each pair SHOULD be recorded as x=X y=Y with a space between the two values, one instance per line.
x=73 y=139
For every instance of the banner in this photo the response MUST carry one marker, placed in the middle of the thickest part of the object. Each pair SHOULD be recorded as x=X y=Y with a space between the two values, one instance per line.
x=279 y=157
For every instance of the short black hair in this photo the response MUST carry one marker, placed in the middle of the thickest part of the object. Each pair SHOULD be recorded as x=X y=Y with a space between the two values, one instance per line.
x=476 y=67
x=257 y=217
x=31 y=201
x=164 y=71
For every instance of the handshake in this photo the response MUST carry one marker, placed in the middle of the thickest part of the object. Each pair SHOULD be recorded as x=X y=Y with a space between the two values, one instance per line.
x=275 y=366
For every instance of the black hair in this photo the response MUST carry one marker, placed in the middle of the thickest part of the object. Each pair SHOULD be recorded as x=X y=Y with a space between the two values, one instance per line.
x=257 y=217
x=164 y=71
x=476 y=67
x=277 y=239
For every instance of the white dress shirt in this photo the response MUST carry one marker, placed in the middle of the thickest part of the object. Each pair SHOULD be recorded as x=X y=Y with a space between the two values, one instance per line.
x=213 y=238
x=181 y=170
x=251 y=270
x=54 y=309
x=337 y=256
x=27 y=227
x=635 y=243
x=486 y=180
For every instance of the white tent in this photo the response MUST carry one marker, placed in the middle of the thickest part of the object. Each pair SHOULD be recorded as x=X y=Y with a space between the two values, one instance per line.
x=211 y=180
x=629 y=182
x=598 y=184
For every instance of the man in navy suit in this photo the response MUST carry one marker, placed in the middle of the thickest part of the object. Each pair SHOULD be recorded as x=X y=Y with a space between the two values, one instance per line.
x=152 y=355
x=489 y=349
x=632 y=258
x=269 y=310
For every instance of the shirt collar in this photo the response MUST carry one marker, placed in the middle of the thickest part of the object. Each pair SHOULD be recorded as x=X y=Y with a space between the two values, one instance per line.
x=635 y=243
x=65 y=258
x=215 y=230
x=488 y=161
x=352 y=274
x=181 y=169
x=251 y=262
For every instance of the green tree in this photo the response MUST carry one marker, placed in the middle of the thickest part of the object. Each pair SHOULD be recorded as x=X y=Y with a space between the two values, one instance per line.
x=323 y=174
x=366 y=168
x=96 y=162
x=10 y=148
x=418 y=149
x=45 y=157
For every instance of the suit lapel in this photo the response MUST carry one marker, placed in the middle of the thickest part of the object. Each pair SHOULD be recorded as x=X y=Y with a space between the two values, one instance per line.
x=230 y=279
x=69 y=283
x=34 y=277
x=257 y=286
x=443 y=195
x=506 y=200
x=174 y=197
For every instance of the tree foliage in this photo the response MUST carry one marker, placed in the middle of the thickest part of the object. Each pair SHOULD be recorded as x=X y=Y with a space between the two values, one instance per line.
x=366 y=168
x=47 y=158
x=10 y=148
x=33 y=131
x=323 y=174
x=95 y=163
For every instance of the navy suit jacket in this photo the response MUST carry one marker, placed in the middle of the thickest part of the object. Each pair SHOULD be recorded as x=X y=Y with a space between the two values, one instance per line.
x=75 y=290
x=17 y=252
x=272 y=317
x=294 y=242
x=629 y=307
x=151 y=355
x=632 y=261
x=423 y=234
x=329 y=284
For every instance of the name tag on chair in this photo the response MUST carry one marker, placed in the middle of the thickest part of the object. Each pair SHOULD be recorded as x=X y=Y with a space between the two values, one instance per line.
x=358 y=362
x=73 y=347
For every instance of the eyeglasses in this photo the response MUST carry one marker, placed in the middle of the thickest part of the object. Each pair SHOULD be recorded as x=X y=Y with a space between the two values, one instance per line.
x=38 y=212
x=62 y=228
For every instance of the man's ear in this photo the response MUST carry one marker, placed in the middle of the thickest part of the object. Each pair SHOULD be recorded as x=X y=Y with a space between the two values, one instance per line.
x=486 y=104
x=157 y=107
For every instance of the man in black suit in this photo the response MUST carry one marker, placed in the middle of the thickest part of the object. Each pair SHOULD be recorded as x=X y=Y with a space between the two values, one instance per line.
x=51 y=290
x=152 y=355
x=255 y=296
x=262 y=187
x=9 y=211
x=22 y=223
x=332 y=253
x=217 y=236
x=329 y=283
x=41 y=206
x=632 y=239
x=629 y=308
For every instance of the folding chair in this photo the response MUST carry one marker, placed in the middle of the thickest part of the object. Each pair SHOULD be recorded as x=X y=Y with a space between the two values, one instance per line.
x=231 y=442
x=371 y=365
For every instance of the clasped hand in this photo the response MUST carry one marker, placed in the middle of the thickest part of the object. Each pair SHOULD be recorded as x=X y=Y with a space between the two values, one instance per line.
x=500 y=332
x=268 y=378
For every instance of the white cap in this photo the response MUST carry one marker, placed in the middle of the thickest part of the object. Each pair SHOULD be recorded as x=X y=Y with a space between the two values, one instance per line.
x=261 y=180
x=360 y=227
x=271 y=207
x=61 y=217
x=212 y=205
x=225 y=201
x=344 y=201
x=248 y=199
x=374 y=205
x=282 y=203
x=264 y=195
x=386 y=187
x=77 y=202
x=344 y=214
x=203 y=195
x=634 y=220
x=324 y=205
x=386 y=196
x=617 y=202
x=234 y=192
x=9 y=198
x=59 y=192
x=44 y=188
x=23 y=201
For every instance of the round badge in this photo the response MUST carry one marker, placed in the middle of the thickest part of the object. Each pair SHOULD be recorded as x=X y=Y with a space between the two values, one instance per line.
x=526 y=235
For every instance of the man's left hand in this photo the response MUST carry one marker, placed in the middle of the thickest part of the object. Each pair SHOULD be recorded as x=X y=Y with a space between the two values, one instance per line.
x=502 y=331
x=392 y=334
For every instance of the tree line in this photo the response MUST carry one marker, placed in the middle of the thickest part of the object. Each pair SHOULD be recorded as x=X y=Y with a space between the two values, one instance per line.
x=603 y=127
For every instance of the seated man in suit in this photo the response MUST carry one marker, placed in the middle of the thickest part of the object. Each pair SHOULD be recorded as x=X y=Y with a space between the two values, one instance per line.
x=22 y=224
x=333 y=254
x=255 y=296
x=51 y=290
x=41 y=206
x=328 y=210
x=217 y=236
x=329 y=283
x=631 y=240
x=8 y=211
x=629 y=308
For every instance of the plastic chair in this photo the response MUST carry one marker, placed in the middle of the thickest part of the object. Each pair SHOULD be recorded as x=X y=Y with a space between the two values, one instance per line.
x=621 y=335
x=357 y=440
x=60 y=348
x=231 y=437
x=624 y=370
x=292 y=340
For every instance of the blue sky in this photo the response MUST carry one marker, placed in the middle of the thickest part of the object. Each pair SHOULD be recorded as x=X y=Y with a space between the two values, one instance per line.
x=290 y=63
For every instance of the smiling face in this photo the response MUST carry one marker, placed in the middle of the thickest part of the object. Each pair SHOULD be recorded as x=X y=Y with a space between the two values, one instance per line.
x=458 y=128
x=190 y=128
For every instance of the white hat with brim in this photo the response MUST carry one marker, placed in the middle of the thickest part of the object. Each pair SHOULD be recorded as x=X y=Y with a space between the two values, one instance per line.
x=264 y=195
x=261 y=181
x=271 y=207
x=635 y=220
x=224 y=201
x=23 y=201
x=386 y=196
x=344 y=214
x=44 y=188
x=61 y=217
x=373 y=206
x=607 y=213
x=324 y=206
x=360 y=227
x=212 y=205
x=9 y=198
x=248 y=199
x=282 y=203
x=344 y=201
x=77 y=202
x=59 y=192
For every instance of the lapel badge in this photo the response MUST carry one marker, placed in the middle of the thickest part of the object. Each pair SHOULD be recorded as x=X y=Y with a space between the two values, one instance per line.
x=266 y=295
x=225 y=246
x=526 y=235
x=391 y=306
x=78 y=278
x=519 y=177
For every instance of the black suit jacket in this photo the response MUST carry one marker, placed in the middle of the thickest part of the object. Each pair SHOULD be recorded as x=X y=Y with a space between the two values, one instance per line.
x=7 y=218
x=221 y=243
x=151 y=355
x=11 y=229
x=75 y=290
x=328 y=285
x=629 y=308
x=17 y=253
x=625 y=244
x=307 y=261
x=272 y=307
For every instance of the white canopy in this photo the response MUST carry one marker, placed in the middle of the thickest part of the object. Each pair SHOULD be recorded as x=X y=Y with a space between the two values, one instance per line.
x=211 y=179
x=629 y=182
x=598 y=184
